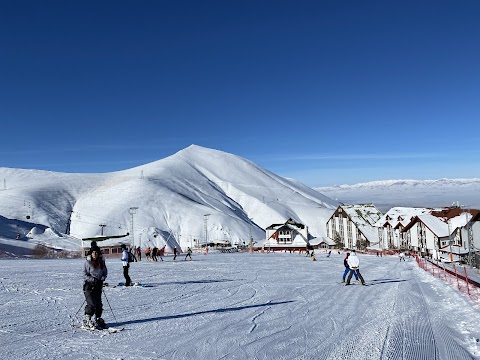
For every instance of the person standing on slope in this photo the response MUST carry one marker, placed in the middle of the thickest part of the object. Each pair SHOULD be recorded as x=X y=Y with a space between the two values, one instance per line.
x=353 y=264
x=139 y=253
x=347 y=269
x=94 y=274
x=126 y=265
x=189 y=254
x=174 y=253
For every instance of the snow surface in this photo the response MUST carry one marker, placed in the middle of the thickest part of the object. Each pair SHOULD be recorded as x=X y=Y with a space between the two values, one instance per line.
x=239 y=306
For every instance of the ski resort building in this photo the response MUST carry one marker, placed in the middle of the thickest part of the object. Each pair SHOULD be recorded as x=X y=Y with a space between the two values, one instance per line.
x=352 y=226
x=446 y=234
x=290 y=235
x=108 y=251
x=390 y=227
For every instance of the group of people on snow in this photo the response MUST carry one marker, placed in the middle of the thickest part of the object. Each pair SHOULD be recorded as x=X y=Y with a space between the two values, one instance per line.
x=94 y=275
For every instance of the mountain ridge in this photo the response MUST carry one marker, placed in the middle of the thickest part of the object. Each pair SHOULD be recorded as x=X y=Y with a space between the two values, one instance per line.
x=172 y=197
x=386 y=194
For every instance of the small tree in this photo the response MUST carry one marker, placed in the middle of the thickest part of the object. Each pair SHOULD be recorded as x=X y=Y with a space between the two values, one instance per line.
x=40 y=252
x=362 y=244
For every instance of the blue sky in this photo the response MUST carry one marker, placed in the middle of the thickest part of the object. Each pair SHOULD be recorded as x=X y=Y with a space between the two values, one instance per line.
x=323 y=92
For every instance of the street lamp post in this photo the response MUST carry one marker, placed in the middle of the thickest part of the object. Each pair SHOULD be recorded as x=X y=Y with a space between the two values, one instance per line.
x=205 y=222
x=251 y=236
x=132 y=211
x=450 y=241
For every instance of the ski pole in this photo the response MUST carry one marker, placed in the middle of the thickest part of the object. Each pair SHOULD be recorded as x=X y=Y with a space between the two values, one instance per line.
x=108 y=302
x=76 y=317
x=80 y=308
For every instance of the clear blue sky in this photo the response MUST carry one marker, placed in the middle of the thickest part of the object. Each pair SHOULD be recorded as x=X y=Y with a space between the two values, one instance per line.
x=326 y=92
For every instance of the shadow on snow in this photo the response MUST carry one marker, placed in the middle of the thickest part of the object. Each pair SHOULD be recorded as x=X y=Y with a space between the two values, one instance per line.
x=386 y=281
x=200 y=312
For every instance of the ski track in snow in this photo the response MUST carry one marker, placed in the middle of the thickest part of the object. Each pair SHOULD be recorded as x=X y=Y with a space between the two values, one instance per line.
x=239 y=306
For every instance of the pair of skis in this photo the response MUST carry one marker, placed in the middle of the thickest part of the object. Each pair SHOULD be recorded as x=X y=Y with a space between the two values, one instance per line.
x=106 y=330
x=123 y=284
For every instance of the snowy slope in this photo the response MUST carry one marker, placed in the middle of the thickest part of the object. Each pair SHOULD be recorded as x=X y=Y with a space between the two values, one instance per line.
x=172 y=196
x=239 y=306
x=409 y=193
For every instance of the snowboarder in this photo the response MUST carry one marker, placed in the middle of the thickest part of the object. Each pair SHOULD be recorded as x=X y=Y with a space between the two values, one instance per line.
x=353 y=263
x=189 y=254
x=347 y=269
x=126 y=265
x=94 y=274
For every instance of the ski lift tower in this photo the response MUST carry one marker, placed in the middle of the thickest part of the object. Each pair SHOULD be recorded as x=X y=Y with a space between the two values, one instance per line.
x=132 y=211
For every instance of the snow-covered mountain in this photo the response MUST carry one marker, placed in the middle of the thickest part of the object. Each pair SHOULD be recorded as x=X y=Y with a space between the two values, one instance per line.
x=409 y=193
x=176 y=198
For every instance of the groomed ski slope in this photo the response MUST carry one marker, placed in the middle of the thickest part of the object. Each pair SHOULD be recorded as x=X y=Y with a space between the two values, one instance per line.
x=239 y=306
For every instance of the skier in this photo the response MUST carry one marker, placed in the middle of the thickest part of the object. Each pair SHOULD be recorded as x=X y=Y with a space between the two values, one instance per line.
x=94 y=274
x=154 y=253
x=347 y=269
x=174 y=253
x=189 y=254
x=161 y=251
x=353 y=263
x=329 y=253
x=126 y=265
x=402 y=256
x=139 y=253
x=147 y=253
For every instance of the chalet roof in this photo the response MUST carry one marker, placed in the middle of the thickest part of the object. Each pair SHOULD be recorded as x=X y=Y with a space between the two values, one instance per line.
x=449 y=213
x=321 y=240
x=394 y=215
x=436 y=226
x=288 y=222
x=362 y=213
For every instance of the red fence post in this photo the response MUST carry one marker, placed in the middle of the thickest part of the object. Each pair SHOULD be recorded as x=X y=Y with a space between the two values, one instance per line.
x=456 y=275
x=466 y=280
